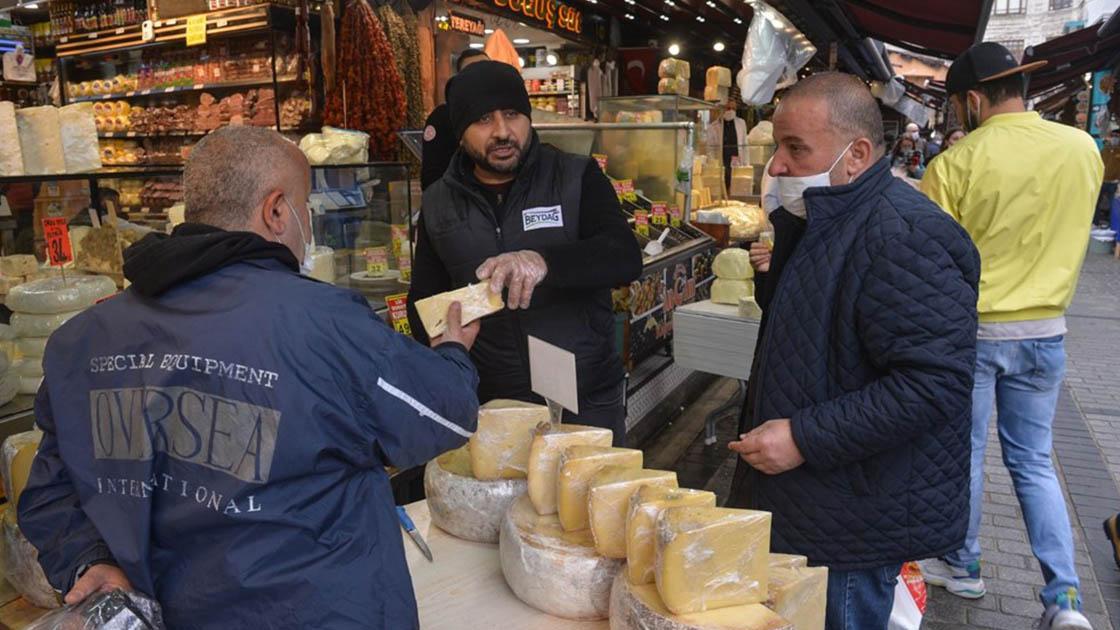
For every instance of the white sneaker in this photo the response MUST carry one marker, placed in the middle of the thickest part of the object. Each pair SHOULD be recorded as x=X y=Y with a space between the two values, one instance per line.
x=965 y=583
x=1058 y=618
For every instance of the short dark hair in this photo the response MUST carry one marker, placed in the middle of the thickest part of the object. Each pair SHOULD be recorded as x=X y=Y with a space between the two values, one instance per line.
x=851 y=106
x=468 y=54
x=1002 y=90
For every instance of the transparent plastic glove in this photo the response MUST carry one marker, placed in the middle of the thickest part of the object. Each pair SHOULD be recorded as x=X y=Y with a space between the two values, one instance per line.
x=112 y=610
x=520 y=272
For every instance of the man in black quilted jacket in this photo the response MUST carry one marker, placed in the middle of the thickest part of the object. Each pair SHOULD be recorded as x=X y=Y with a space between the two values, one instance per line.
x=858 y=439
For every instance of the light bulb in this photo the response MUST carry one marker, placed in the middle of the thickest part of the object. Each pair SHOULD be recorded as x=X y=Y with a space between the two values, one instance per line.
x=718 y=46
x=551 y=59
x=674 y=50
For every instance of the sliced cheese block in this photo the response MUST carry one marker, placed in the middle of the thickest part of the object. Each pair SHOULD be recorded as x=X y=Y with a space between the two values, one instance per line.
x=32 y=346
x=716 y=93
x=673 y=67
x=641 y=524
x=9 y=388
x=578 y=464
x=29 y=325
x=40 y=140
x=544 y=459
x=18 y=265
x=55 y=295
x=21 y=564
x=718 y=75
x=28 y=368
x=639 y=607
x=500 y=444
x=731 y=291
x=733 y=263
x=463 y=506
x=477 y=300
x=608 y=501
x=800 y=595
x=8 y=452
x=749 y=308
x=29 y=385
x=11 y=157
x=552 y=570
x=710 y=558
x=79 y=138
x=787 y=560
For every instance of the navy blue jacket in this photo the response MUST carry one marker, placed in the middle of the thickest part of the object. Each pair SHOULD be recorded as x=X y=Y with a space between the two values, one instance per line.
x=869 y=349
x=225 y=444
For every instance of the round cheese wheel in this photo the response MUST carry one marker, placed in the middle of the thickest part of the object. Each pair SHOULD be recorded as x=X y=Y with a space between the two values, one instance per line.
x=9 y=387
x=29 y=385
x=29 y=325
x=639 y=607
x=554 y=571
x=22 y=565
x=32 y=346
x=465 y=507
x=53 y=295
x=29 y=368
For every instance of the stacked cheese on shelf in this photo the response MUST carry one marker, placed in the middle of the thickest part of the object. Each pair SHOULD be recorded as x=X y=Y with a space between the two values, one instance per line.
x=717 y=84
x=470 y=489
x=674 y=77
x=11 y=155
x=734 y=283
x=39 y=308
x=55 y=140
x=20 y=560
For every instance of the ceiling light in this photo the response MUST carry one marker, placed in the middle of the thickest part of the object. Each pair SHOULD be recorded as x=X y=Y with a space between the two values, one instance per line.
x=718 y=46
x=665 y=18
x=521 y=41
x=674 y=49
x=738 y=21
x=630 y=2
x=699 y=18
x=710 y=4
x=551 y=59
x=521 y=60
x=477 y=45
x=488 y=31
x=31 y=5
x=593 y=1
x=629 y=16
x=523 y=24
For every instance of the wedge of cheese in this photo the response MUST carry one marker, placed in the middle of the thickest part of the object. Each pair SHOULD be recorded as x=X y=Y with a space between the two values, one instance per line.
x=477 y=300
x=731 y=291
x=79 y=138
x=787 y=561
x=500 y=444
x=608 y=501
x=11 y=156
x=639 y=607
x=18 y=266
x=465 y=507
x=709 y=558
x=544 y=459
x=578 y=464
x=40 y=140
x=800 y=595
x=641 y=524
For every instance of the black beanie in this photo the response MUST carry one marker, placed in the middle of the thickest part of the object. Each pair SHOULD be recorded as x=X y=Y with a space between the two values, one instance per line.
x=484 y=87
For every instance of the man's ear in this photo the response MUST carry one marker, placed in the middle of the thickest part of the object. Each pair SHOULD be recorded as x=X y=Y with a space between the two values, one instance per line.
x=273 y=214
x=864 y=153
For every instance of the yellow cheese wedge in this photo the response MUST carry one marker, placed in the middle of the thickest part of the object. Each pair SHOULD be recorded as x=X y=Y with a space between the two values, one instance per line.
x=788 y=561
x=641 y=524
x=639 y=607
x=709 y=558
x=578 y=464
x=477 y=300
x=500 y=445
x=799 y=595
x=544 y=459
x=608 y=502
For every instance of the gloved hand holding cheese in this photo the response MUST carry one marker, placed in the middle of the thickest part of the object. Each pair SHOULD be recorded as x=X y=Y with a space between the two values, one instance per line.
x=476 y=299
x=520 y=271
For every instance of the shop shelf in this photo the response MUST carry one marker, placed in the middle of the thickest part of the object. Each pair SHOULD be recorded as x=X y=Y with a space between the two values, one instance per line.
x=198 y=87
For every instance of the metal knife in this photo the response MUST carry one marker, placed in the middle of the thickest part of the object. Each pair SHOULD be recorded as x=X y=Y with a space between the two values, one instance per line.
x=410 y=527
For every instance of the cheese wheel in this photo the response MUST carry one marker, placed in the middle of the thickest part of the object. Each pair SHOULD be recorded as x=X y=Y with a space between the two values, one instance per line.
x=32 y=346
x=544 y=459
x=733 y=263
x=29 y=385
x=639 y=607
x=28 y=368
x=55 y=295
x=30 y=325
x=9 y=388
x=500 y=444
x=463 y=506
x=554 y=571
x=22 y=565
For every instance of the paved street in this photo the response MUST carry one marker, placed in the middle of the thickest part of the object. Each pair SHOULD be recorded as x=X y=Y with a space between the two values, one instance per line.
x=1087 y=456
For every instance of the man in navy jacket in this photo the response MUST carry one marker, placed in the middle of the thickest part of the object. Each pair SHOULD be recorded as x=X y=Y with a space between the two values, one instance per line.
x=858 y=423
x=216 y=436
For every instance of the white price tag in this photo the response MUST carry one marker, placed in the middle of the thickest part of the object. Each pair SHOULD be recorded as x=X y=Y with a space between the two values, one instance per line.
x=171 y=22
x=168 y=90
x=221 y=23
x=93 y=35
x=552 y=373
x=119 y=31
x=147 y=31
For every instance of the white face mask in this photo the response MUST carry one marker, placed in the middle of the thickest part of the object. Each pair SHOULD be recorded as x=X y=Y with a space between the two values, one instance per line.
x=729 y=114
x=308 y=246
x=791 y=190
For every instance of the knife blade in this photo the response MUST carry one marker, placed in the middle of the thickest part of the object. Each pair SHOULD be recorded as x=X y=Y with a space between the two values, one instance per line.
x=410 y=528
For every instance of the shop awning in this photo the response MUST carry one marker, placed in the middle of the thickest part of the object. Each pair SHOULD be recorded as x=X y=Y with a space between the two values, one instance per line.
x=942 y=29
x=1055 y=99
x=1070 y=57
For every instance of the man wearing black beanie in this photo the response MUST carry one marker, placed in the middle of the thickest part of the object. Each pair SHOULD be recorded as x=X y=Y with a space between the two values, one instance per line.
x=543 y=226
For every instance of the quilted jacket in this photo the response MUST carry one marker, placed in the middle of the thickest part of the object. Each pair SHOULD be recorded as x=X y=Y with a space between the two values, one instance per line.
x=869 y=349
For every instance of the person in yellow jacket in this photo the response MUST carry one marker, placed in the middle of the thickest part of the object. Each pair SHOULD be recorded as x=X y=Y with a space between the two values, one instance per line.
x=1025 y=189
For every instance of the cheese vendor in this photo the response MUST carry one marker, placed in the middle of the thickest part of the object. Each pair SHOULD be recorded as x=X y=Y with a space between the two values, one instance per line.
x=542 y=225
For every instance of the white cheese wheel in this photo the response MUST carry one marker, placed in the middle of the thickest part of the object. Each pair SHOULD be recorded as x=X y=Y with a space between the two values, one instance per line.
x=29 y=368
x=31 y=325
x=29 y=385
x=554 y=571
x=733 y=263
x=465 y=507
x=55 y=295
x=639 y=607
x=32 y=346
x=9 y=389
x=21 y=566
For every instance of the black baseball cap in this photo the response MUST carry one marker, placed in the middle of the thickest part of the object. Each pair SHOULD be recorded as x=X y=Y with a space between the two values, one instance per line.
x=984 y=62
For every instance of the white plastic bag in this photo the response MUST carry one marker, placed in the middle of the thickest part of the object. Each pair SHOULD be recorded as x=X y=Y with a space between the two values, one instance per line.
x=909 y=599
x=771 y=56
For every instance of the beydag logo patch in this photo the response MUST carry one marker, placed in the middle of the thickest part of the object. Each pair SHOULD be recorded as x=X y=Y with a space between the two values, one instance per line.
x=538 y=218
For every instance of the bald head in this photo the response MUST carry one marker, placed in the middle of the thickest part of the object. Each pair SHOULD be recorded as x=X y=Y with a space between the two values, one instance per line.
x=852 y=111
x=234 y=169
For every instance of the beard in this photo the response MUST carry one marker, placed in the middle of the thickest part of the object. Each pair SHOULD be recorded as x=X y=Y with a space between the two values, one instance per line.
x=486 y=159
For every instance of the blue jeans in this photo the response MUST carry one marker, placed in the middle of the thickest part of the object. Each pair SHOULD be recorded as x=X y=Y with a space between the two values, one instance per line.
x=1022 y=379
x=861 y=600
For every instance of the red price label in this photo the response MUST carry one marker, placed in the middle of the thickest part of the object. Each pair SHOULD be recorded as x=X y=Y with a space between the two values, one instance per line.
x=675 y=216
x=57 y=236
x=660 y=214
x=398 y=312
x=641 y=222
x=602 y=160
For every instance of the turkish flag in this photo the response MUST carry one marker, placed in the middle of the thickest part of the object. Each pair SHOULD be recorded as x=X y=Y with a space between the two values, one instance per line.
x=638 y=71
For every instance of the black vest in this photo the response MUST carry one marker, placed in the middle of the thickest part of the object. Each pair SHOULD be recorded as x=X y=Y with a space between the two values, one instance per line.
x=542 y=210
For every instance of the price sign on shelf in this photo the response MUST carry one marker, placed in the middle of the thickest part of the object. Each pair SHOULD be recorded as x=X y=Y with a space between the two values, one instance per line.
x=57 y=236
x=398 y=313
x=660 y=214
x=675 y=216
x=641 y=222
x=196 y=30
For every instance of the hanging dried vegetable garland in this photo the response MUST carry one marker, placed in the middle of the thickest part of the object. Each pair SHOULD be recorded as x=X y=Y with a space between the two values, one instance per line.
x=406 y=51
